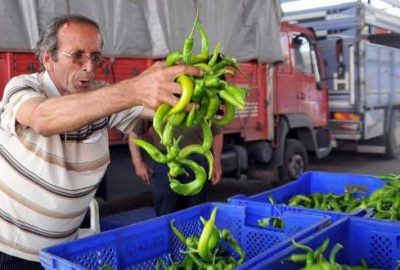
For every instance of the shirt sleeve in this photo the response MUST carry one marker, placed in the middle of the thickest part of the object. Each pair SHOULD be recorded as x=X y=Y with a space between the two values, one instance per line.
x=125 y=120
x=16 y=93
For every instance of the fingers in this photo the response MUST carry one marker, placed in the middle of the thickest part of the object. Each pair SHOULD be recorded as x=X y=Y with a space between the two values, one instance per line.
x=175 y=71
x=175 y=88
x=157 y=84
x=145 y=178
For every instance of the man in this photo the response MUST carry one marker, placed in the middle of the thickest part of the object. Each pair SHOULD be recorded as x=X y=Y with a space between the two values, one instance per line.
x=53 y=136
x=156 y=174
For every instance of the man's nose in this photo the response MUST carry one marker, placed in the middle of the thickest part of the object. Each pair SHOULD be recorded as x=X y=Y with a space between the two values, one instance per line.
x=88 y=64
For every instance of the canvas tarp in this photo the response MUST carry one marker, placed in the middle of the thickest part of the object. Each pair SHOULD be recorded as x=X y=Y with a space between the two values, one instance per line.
x=247 y=29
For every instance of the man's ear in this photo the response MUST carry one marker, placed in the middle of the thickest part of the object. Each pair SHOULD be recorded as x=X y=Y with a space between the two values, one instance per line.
x=47 y=60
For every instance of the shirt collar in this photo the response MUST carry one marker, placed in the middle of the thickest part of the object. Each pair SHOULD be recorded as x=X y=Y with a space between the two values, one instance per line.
x=49 y=87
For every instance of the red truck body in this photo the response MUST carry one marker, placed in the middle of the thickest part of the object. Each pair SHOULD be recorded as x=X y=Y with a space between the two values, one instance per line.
x=294 y=92
x=285 y=106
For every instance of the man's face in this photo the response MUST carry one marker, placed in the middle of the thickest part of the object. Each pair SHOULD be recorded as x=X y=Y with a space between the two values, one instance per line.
x=74 y=70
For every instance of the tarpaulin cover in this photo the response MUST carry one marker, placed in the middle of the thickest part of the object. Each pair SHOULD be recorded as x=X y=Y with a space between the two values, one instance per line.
x=247 y=29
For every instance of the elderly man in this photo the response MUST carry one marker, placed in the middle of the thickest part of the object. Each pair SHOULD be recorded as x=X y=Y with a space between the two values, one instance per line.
x=53 y=136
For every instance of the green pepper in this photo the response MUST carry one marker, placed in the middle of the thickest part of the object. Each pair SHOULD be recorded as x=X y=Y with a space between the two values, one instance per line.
x=229 y=114
x=214 y=239
x=224 y=94
x=298 y=258
x=198 y=149
x=198 y=91
x=203 y=56
x=200 y=114
x=204 y=67
x=187 y=91
x=319 y=251
x=177 y=118
x=173 y=58
x=212 y=82
x=193 y=187
x=227 y=236
x=238 y=93
x=190 y=118
x=188 y=44
x=226 y=61
x=177 y=232
x=207 y=135
x=205 y=236
x=214 y=57
x=173 y=150
x=213 y=104
x=153 y=151
x=167 y=135
x=158 y=121
x=302 y=247
x=332 y=257
x=175 y=169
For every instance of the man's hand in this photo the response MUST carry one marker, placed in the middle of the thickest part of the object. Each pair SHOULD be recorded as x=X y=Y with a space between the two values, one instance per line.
x=217 y=172
x=143 y=171
x=157 y=84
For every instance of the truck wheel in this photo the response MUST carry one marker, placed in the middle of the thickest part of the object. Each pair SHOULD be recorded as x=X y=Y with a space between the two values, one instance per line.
x=393 y=136
x=295 y=161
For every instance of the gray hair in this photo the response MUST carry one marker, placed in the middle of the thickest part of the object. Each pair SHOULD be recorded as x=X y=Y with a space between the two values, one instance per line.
x=48 y=39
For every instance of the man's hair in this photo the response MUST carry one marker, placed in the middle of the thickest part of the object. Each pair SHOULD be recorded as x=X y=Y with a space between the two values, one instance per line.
x=48 y=39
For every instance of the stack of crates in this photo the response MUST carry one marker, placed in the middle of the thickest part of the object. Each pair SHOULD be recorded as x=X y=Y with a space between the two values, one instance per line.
x=141 y=245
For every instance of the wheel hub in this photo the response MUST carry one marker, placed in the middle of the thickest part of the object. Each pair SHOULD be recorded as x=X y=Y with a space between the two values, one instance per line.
x=296 y=166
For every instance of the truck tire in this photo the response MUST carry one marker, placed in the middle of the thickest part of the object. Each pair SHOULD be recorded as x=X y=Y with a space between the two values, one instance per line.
x=295 y=161
x=393 y=136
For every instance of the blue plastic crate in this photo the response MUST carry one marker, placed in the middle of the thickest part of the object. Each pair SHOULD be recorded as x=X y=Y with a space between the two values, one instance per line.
x=126 y=218
x=375 y=241
x=316 y=182
x=138 y=246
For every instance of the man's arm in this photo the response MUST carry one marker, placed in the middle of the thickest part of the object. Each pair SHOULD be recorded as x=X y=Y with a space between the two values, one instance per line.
x=62 y=114
x=217 y=150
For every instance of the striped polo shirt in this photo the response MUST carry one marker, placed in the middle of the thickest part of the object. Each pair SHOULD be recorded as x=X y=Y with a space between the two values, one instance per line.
x=47 y=183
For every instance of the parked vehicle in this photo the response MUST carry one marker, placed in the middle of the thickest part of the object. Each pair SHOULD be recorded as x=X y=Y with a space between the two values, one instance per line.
x=287 y=110
x=361 y=51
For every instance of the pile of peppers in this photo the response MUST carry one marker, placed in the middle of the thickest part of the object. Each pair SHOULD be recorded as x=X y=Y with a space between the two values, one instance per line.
x=315 y=260
x=385 y=202
x=346 y=202
x=205 y=251
x=207 y=94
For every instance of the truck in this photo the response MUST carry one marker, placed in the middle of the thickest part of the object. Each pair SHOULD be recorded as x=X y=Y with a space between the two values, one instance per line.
x=360 y=48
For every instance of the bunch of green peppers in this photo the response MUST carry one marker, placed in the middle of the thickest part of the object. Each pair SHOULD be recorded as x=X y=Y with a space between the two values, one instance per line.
x=346 y=202
x=386 y=201
x=204 y=252
x=315 y=260
x=207 y=94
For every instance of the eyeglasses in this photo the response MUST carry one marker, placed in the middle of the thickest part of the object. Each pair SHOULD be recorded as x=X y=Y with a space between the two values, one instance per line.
x=80 y=58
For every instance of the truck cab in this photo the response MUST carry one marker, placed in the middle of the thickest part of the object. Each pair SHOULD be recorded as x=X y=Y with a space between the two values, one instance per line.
x=286 y=115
